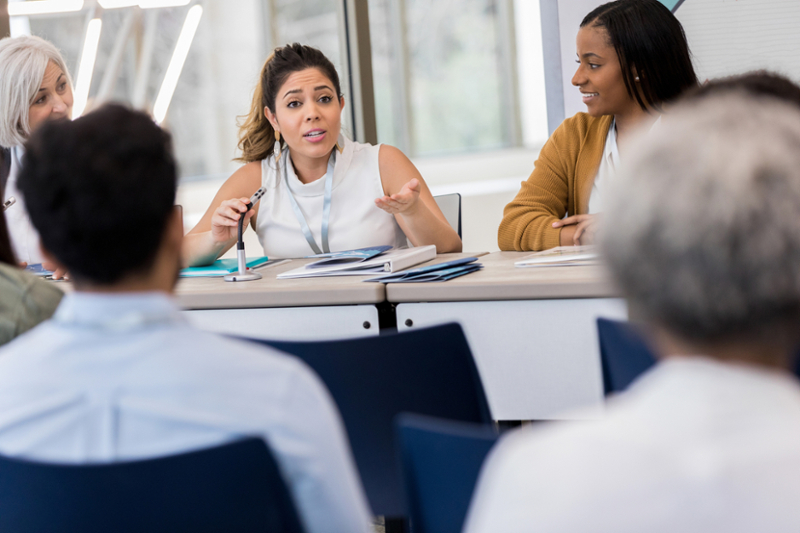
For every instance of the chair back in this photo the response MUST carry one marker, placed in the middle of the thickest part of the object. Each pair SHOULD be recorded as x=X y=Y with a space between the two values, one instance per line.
x=235 y=487
x=450 y=204
x=441 y=460
x=373 y=379
x=624 y=354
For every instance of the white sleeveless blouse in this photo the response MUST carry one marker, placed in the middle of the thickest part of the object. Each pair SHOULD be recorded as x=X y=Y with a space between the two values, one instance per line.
x=354 y=222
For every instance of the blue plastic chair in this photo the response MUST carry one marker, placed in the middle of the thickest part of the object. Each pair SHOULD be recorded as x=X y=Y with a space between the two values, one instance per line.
x=441 y=460
x=236 y=487
x=623 y=353
x=428 y=371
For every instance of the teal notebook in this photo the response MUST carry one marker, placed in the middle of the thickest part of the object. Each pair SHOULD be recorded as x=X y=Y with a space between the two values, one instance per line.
x=223 y=267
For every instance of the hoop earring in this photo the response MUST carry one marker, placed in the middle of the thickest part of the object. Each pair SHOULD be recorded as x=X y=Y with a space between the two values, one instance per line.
x=276 y=149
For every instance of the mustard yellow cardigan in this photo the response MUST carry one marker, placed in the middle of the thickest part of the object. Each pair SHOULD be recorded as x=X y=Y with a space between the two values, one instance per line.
x=561 y=183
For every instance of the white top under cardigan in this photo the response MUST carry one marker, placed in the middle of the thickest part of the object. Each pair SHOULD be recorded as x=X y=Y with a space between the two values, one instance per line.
x=24 y=237
x=355 y=221
x=608 y=168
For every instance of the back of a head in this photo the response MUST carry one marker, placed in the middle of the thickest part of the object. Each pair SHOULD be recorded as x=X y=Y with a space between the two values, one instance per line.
x=650 y=40
x=702 y=231
x=23 y=61
x=99 y=190
x=756 y=83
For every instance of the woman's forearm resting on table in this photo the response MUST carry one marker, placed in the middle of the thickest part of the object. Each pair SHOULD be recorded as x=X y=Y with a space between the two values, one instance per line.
x=200 y=249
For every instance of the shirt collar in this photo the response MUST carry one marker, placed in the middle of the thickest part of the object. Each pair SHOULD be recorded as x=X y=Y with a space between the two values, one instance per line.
x=693 y=380
x=117 y=311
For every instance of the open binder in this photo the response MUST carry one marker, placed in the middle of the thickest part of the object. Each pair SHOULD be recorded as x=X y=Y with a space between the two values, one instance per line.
x=390 y=261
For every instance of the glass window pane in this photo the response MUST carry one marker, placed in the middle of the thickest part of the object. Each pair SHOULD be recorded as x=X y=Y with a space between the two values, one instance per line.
x=454 y=69
x=220 y=72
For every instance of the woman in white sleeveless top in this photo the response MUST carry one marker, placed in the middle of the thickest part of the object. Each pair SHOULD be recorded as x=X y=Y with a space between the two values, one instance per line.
x=35 y=86
x=323 y=191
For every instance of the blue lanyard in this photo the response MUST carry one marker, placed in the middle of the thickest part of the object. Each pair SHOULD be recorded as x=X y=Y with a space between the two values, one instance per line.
x=326 y=207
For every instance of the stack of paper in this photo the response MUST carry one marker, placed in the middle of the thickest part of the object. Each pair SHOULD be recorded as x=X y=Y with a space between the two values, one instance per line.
x=561 y=256
x=390 y=261
x=223 y=267
x=438 y=272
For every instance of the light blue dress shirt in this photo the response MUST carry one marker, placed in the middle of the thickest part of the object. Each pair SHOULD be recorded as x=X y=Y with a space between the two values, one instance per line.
x=124 y=377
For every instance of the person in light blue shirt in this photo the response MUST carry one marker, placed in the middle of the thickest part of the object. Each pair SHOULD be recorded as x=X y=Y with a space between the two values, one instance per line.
x=117 y=374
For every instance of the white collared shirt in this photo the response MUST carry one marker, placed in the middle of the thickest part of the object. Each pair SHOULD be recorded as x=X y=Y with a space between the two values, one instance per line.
x=24 y=237
x=124 y=377
x=694 y=446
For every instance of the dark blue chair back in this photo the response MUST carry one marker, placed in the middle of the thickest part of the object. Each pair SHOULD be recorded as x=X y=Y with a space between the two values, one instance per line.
x=623 y=353
x=233 y=488
x=373 y=379
x=441 y=460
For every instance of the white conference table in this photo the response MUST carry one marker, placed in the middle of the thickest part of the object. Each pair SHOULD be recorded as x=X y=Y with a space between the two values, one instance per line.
x=283 y=309
x=532 y=332
x=326 y=308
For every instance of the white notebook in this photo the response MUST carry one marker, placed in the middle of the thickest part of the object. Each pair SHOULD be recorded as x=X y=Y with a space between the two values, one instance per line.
x=561 y=256
x=391 y=261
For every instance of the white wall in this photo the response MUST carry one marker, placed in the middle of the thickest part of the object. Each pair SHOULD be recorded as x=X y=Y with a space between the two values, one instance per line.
x=733 y=37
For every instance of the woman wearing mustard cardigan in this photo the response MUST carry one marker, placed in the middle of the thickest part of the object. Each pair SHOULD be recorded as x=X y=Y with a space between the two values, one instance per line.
x=632 y=59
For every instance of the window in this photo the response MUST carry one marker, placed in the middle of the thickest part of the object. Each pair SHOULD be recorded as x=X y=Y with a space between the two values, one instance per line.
x=446 y=76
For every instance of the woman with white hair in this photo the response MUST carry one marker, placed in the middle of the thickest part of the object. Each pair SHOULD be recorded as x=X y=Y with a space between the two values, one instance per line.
x=35 y=86
x=702 y=236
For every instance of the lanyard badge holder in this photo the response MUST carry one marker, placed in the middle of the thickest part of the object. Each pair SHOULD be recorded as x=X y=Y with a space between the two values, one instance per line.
x=244 y=273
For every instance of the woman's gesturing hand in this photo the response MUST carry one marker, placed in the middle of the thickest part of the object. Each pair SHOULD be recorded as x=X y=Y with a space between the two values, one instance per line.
x=404 y=202
x=225 y=220
x=585 y=228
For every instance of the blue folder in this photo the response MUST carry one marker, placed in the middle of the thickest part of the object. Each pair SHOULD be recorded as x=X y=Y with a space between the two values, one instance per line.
x=222 y=267
x=438 y=272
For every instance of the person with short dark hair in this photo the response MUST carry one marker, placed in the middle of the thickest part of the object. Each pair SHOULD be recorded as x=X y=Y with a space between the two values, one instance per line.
x=703 y=240
x=633 y=59
x=118 y=374
x=25 y=300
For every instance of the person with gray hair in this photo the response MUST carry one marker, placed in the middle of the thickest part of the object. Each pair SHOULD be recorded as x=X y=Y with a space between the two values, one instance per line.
x=35 y=86
x=702 y=236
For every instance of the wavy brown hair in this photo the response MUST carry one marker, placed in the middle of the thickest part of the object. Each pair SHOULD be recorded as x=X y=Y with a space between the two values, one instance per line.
x=256 y=135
